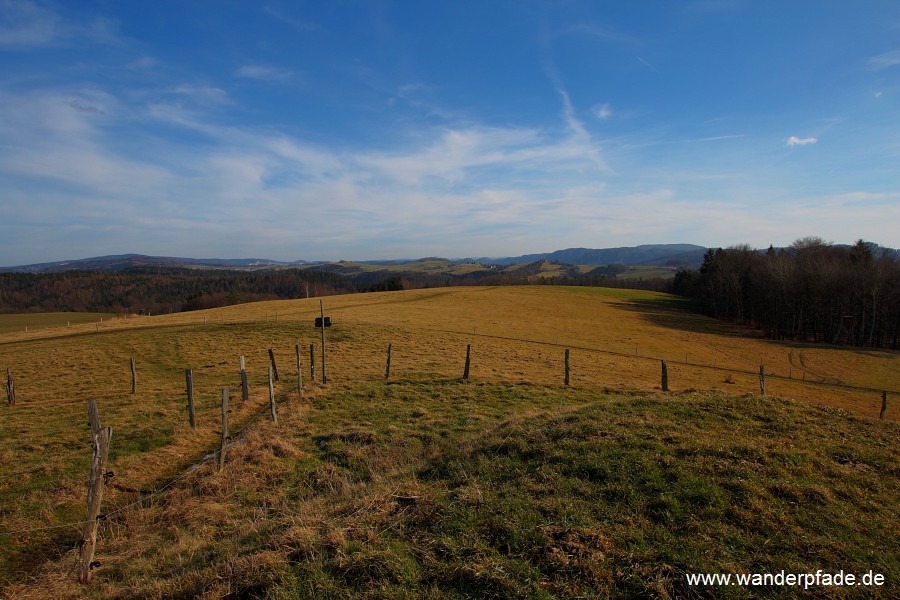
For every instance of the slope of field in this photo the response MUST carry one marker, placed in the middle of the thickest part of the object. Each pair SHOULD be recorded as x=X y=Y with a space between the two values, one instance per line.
x=34 y=321
x=519 y=333
x=512 y=485
x=447 y=490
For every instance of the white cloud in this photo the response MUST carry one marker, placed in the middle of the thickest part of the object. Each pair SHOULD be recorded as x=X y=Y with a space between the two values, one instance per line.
x=143 y=62
x=58 y=155
x=648 y=65
x=602 y=111
x=580 y=137
x=27 y=24
x=298 y=24
x=24 y=23
x=884 y=61
x=263 y=72
x=796 y=141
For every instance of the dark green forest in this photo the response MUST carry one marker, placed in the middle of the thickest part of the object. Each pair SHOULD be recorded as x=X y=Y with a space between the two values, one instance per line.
x=811 y=291
x=158 y=290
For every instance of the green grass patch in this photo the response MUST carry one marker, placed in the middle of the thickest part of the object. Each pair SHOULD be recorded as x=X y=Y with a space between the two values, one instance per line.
x=647 y=272
x=445 y=489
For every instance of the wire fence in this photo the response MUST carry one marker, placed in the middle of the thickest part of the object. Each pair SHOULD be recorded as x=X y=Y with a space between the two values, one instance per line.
x=414 y=357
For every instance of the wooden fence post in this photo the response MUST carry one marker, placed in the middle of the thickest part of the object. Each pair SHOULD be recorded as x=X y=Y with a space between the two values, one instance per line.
x=94 y=497
x=665 y=376
x=274 y=366
x=133 y=377
x=225 y=393
x=322 y=313
x=272 y=398
x=245 y=392
x=312 y=362
x=468 y=361
x=10 y=388
x=387 y=368
x=762 y=380
x=93 y=417
x=883 y=404
x=567 y=366
x=299 y=373
x=189 y=386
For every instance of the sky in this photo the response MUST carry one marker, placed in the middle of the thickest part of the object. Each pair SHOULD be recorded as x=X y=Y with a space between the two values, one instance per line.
x=378 y=129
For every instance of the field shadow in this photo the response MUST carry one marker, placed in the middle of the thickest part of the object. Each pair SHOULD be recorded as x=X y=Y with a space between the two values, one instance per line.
x=680 y=314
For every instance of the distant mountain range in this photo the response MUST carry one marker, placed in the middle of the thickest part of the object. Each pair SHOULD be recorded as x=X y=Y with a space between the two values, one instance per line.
x=660 y=255
x=683 y=255
x=121 y=262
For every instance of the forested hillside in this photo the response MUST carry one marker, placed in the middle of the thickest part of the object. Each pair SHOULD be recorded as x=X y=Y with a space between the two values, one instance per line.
x=158 y=290
x=163 y=290
x=811 y=291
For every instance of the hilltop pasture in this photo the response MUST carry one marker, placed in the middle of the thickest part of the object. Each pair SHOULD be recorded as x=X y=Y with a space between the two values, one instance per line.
x=518 y=334
x=362 y=454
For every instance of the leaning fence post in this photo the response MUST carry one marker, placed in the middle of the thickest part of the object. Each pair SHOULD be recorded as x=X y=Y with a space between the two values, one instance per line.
x=762 y=380
x=272 y=398
x=312 y=362
x=274 y=366
x=567 y=366
x=665 y=376
x=225 y=393
x=883 y=404
x=189 y=386
x=94 y=497
x=133 y=377
x=387 y=368
x=10 y=388
x=245 y=392
x=468 y=361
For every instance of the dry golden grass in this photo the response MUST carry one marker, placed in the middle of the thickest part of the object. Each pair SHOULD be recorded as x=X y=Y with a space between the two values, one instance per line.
x=429 y=328
x=441 y=489
x=518 y=336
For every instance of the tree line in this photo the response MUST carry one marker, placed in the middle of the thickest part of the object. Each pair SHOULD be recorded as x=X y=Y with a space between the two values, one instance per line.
x=159 y=290
x=811 y=291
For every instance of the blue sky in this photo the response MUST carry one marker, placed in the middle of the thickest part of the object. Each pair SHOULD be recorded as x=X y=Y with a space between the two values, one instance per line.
x=365 y=130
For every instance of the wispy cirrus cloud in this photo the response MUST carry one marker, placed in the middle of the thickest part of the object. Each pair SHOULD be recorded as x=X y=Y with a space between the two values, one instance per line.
x=885 y=60
x=602 y=111
x=203 y=95
x=579 y=135
x=461 y=182
x=281 y=14
x=24 y=23
x=647 y=64
x=718 y=138
x=263 y=72
x=798 y=141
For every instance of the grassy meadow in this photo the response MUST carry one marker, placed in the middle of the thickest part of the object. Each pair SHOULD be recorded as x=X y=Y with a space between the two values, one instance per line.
x=37 y=321
x=511 y=485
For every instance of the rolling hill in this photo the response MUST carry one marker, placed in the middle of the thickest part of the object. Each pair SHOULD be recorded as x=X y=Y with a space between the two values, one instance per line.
x=652 y=255
x=421 y=484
